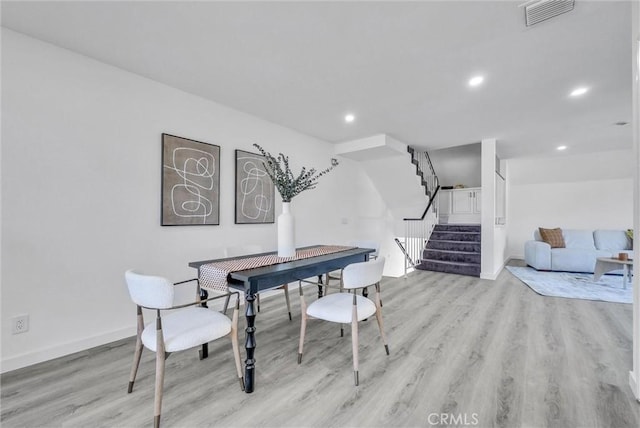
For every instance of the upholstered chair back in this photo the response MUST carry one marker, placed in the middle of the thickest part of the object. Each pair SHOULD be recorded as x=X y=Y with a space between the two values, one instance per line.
x=363 y=274
x=149 y=291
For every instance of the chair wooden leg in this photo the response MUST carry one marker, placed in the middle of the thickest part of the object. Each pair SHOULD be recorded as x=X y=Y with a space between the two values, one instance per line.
x=138 y=352
x=303 y=324
x=380 y=325
x=234 y=344
x=379 y=318
x=354 y=341
x=326 y=284
x=226 y=305
x=160 y=359
x=286 y=296
x=303 y=328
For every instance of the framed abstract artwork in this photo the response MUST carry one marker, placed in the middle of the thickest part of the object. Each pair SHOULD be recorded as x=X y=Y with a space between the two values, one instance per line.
x=190 y=182
x=254 y=190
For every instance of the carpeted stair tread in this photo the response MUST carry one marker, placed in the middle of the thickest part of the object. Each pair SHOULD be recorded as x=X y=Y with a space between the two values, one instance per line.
x=456 y=236
x=470 y=246
x=457 y=227
x=469 y=269
x=452 y=255
x=461 y=232
x=453 y=240
x=450 y=263
x=453 y=251
x=453 y=248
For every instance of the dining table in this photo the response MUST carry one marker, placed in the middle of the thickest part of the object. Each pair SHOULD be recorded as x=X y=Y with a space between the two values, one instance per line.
x=252 y=273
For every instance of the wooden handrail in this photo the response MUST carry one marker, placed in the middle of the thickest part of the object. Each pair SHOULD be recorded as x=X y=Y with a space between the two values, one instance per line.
x=404 y=251
x=426 y=210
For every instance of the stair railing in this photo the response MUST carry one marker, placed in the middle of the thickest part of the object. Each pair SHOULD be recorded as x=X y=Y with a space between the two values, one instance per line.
x=426 y=167
x=418 y=230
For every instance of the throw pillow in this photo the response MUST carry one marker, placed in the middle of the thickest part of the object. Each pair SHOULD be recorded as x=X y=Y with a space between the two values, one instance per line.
x=553 y=237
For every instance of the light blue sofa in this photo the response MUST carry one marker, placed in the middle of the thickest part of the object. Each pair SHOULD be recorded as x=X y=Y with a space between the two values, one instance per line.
x=583 y=247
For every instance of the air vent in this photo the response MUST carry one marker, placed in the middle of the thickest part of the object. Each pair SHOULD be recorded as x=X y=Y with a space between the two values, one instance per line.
x=542 y=10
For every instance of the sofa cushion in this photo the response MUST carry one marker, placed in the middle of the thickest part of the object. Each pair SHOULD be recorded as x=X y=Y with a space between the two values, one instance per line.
x=612 y=240
x=575 y=238
x=553 y=237
x=575 y=259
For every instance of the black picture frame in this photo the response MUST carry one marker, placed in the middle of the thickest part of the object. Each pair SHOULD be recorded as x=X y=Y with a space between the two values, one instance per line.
x=190 y=182
x=255 y=192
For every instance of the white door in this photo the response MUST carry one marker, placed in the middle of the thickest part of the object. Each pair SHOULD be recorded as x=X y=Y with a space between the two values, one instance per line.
x=477 y=201
x=462 y=202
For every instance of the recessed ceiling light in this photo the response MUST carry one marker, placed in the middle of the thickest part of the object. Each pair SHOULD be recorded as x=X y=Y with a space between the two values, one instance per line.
x=579 y=91
x=349 y=118
x=476 y=80
x=561 y=148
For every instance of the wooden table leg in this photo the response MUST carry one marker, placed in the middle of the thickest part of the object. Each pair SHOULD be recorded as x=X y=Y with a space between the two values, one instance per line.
x=320 y=286
x=626 y=277
x=250 y=343
x=204 y=352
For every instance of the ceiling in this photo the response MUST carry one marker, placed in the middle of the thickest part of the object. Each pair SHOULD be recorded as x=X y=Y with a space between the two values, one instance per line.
x=400 y=67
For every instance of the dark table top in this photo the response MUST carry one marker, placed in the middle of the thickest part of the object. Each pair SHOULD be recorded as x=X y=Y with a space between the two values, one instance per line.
x=261 y=278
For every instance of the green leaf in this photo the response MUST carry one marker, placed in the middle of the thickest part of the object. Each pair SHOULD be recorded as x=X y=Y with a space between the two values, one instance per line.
x=288 y=184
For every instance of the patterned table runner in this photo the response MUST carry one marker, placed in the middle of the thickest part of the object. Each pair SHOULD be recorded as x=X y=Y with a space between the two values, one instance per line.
x=214 y=275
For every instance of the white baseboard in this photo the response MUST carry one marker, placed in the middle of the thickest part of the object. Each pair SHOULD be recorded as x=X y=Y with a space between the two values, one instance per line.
x=494 y=275
x=42 y=355
x=39 y=356
x=635 y=387
x=490 y=276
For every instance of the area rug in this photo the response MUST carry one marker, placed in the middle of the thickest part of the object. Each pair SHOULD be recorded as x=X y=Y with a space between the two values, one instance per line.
x=608 y=288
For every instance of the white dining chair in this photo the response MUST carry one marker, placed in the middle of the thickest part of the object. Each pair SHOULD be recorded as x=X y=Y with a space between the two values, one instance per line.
x=185 y=326
x=335 y=275
x=248 y=249
x=348 y=308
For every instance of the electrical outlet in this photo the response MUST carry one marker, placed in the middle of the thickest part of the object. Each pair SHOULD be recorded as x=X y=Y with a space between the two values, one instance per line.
x=20 y=324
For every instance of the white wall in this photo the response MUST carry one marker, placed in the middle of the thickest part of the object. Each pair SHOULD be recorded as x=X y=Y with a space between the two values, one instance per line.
x=593 y=191
x=81 y=154
x=375 y=219
x=458 y=165
x=634 y=374
x=494 y=237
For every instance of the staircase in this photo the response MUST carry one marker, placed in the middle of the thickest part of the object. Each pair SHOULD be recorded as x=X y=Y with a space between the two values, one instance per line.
x=453 y=248
x=425 y=171
x=406 y=192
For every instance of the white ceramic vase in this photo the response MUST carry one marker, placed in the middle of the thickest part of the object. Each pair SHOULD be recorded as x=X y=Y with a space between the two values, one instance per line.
x=286 y=232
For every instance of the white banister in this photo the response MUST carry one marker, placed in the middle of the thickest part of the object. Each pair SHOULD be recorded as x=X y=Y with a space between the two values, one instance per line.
x=418 y=230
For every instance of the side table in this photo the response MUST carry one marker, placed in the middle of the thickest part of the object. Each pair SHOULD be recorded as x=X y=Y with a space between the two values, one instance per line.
x=608 y=264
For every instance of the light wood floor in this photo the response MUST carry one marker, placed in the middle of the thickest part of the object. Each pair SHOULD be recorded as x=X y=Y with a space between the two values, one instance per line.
x=463 y=350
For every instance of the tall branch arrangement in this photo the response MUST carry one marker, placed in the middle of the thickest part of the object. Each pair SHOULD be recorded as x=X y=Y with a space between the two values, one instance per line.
x=287 y=184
